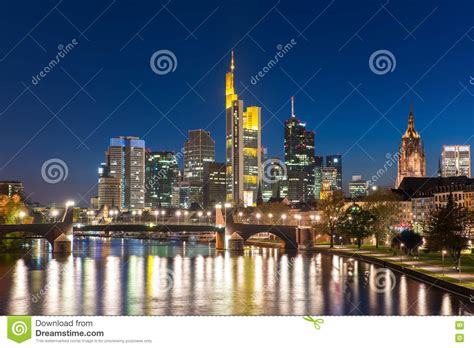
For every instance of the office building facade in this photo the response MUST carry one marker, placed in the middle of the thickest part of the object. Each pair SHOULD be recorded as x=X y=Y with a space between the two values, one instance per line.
x=161 y=172
x=456 y=160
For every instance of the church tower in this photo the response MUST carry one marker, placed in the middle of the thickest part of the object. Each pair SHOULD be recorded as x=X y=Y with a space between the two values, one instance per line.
x=411 y=153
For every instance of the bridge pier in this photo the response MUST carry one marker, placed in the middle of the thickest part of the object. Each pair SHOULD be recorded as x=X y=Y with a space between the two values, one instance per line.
x=304 y=237
x=220 y=240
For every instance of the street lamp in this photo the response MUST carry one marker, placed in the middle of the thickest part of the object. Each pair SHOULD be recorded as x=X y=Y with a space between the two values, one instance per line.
x=156 y=216
x=133 y=214
x=140 y=216
x=258 y=216
x=69 y=204
x=401 y=252
x=442 y=256
x=283 y=217
x=21 y=215
x=318 y=218
x=178 y=214
x=186 y=215
x=270 y=216
x=298 y=218
x=240 y=216
x=208 y=217
x=54 y=214
x=199 y=216
x=163 y=216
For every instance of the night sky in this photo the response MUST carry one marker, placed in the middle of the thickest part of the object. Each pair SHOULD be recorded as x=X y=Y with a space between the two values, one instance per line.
x=354 y=111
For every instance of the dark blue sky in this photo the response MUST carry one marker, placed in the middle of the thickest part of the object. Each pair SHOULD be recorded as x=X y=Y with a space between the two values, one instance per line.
x=432 y=42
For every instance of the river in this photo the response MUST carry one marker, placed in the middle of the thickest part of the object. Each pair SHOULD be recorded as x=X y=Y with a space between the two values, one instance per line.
x=107 y=276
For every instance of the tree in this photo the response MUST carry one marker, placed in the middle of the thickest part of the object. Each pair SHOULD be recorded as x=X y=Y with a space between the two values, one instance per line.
x=10 y=208
x=410 y=239
x=332 y=208
x=448 y=229
x=357 y=223
x=383 y=204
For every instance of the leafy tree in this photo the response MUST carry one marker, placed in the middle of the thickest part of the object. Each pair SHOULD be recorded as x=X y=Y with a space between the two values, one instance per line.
x=383 y=204
x=357 y=223
x=332 y=208
x=410 y=240
x=448 y=229
x=10 y=208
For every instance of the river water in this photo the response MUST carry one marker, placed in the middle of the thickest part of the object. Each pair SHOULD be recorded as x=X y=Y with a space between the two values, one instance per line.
x=107 y=276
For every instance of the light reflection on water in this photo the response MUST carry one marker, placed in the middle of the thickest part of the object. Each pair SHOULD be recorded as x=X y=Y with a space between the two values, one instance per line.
x=138 y=277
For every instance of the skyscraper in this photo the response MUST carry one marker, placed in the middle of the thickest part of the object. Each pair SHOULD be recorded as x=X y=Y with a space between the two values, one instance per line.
x=318 y=176
x=243 y=144
x=456 y=160
x=411 y=153
x=161 y=176
x=125 y=160
x=214 y=189
x=198 y=149
x=299 y=159
x=335 y=161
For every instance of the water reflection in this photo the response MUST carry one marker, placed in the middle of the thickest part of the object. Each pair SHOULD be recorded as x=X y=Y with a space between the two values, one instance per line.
x=138 y=277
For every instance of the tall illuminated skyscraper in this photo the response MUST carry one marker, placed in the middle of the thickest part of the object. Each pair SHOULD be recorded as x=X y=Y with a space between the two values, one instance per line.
x=243 y=144
x=161 y=170
x=126 y=162
x=335 y=161
x=299 y=159
x=198 y=150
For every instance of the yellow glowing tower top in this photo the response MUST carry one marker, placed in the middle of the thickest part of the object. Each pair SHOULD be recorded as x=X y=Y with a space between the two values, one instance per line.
x=230 y=96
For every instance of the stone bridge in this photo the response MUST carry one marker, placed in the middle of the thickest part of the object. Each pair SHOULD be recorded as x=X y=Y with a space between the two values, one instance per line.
x=293 y=237
x=58 y=234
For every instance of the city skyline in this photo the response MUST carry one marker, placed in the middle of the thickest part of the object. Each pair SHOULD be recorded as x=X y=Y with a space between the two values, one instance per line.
x=442 y=105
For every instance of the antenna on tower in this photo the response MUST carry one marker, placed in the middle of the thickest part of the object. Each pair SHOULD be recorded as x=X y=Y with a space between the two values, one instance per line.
x=292 y=106
x=232 y=66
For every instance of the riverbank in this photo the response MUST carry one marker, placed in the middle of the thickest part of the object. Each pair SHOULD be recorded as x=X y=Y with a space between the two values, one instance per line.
x=441 y=277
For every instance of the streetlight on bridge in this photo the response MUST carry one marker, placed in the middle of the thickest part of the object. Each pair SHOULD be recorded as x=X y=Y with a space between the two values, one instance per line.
x=156 y=216
x=54 y=214
x=258 y=216
x=163 y=213
x=178 y=214
x=283 y=218
x=140 y=216
x=208 y=217
x=199 y=216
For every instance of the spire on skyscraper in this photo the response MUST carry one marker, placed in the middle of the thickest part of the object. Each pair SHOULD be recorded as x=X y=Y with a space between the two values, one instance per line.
x=293 y=106
x=232 y=66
